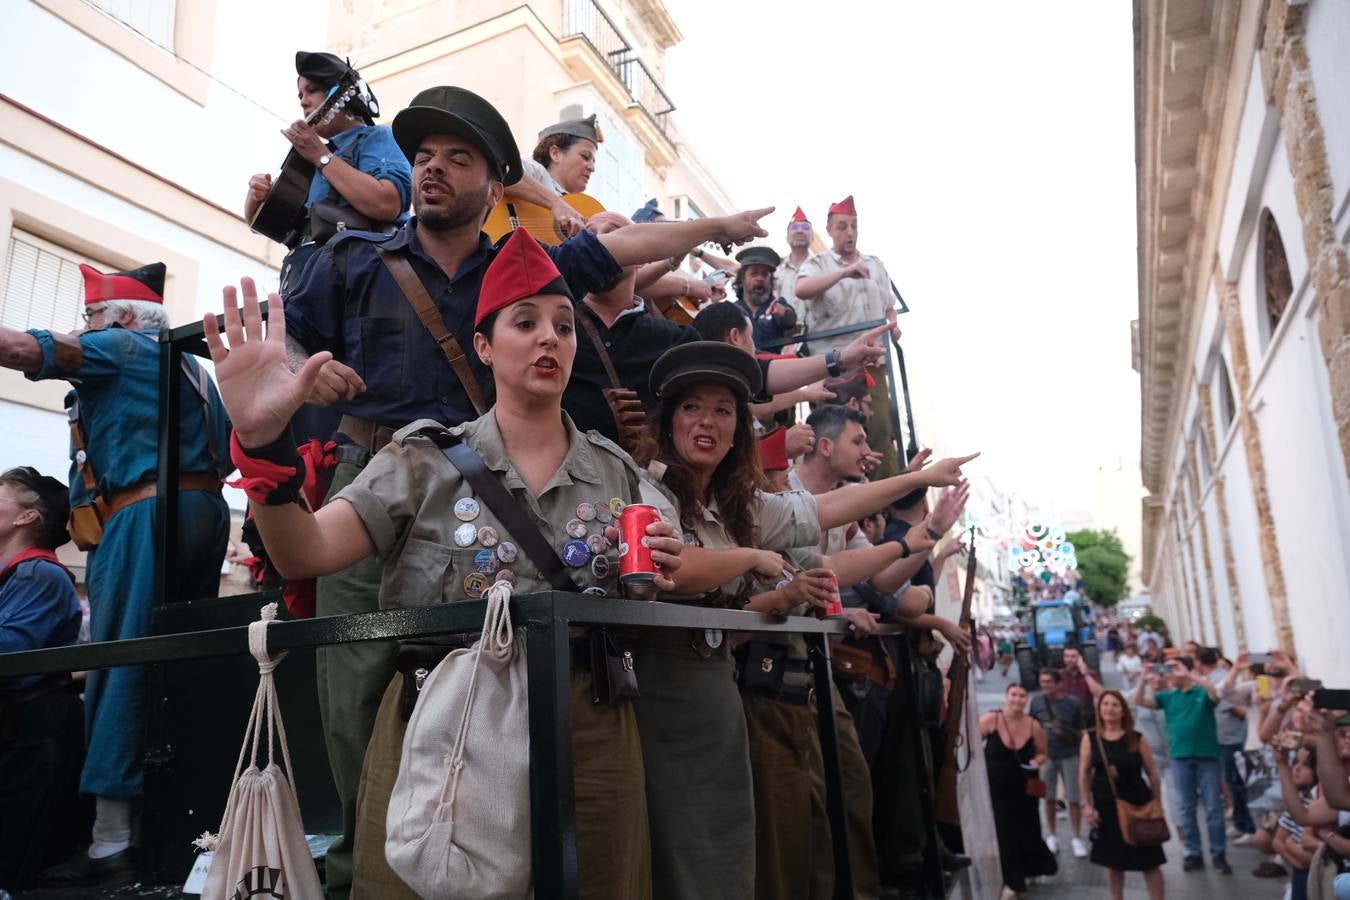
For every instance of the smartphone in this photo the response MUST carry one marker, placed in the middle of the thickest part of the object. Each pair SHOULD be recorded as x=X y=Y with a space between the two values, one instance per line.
x=1302 y=687
x=1258 y=659
x=1330 y=698
x=1162 y=669
x=1263 y=687
x=716 y=278
x=1289 y=740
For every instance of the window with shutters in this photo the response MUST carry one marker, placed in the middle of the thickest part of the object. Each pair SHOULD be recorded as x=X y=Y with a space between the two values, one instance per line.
x=152 y=19
x=42 y=287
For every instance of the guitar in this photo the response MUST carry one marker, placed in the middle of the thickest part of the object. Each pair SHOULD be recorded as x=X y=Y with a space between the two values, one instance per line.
x=282 y=215
x=509 y=215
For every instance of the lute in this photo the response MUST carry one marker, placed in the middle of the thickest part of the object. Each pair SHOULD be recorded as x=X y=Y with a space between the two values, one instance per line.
x=282 y=215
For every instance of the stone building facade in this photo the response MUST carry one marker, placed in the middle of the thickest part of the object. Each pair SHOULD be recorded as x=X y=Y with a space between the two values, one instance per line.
x=1243 y=339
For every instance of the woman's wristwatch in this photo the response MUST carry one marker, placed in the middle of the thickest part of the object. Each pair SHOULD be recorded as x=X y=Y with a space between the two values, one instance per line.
x=834 y=365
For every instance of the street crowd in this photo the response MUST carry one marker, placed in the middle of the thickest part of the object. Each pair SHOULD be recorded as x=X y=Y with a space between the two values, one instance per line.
x=1244 y=751
x=410 y=359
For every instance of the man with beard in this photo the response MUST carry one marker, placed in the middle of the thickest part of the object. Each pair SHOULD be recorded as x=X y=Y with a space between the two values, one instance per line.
x=799 y=234
x=397 y=313
x=772 y=319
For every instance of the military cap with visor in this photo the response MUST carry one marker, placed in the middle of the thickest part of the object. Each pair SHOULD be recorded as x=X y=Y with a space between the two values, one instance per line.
x=580 y=128
x=759 y=256
x=327 y=70
x=463 y=114
x=706 y=362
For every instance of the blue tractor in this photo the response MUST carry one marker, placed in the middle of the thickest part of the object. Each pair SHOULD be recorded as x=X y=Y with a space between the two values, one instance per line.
x=1055 y=626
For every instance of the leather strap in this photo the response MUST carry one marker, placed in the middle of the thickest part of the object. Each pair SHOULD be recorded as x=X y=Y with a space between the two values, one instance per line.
x=509 y=511
x=416 y=294
x=82 y=460
x=189 y=481
x=629 y=432
x=365 y=433
x=1106 y=761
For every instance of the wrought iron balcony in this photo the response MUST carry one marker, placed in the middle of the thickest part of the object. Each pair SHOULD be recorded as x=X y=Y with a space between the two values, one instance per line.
x=586 y=20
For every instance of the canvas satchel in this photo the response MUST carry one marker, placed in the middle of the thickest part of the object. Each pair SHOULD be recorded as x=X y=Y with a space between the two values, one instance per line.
x=261 y=848
x=459 y=816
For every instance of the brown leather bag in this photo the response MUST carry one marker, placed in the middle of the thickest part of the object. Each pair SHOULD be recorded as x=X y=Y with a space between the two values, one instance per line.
x=1141 y=825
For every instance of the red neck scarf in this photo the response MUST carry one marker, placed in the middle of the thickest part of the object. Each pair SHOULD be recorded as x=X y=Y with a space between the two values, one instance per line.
x=35 y=553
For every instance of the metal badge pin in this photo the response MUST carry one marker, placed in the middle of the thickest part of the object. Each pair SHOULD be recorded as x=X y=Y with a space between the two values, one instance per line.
x=465 y=535
x=466 y=509
x=486 y=562
x=487 y=536
x=595 y=592
x=602 y=513
x=601 y=567
x=575 y=528
x=476 y=584
x=616 y=506
x=712 y=637
x=576 y=553
x=598 y=543
x=507 y=575
x=506 y=552
x=586 y=511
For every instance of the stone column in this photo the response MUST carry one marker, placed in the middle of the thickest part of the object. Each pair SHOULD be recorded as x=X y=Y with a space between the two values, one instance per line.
x=1289 y=87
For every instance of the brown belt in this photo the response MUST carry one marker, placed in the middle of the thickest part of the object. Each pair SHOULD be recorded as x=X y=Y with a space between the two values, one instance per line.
x=365 y=433
x=188 y=481
x=693 y=640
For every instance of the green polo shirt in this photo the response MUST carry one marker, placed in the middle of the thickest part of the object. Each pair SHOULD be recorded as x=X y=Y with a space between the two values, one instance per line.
x=1192 y=732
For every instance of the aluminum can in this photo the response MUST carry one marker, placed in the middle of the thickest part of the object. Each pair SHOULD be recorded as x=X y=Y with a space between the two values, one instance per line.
x=836 y=607
x=635 y=560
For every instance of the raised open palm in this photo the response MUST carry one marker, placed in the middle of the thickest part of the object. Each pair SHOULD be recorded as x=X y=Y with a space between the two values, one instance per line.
x=259 y=390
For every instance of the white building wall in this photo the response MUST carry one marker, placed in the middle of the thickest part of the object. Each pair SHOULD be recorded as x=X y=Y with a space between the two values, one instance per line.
x=1328 y=34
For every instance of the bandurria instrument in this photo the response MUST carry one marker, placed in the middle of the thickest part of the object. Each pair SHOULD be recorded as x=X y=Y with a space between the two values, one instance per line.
x=508 y=215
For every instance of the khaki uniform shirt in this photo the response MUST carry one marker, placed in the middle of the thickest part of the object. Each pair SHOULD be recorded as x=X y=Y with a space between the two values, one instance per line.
x=785 y=285
x=783 y=521
x=419 y=512
x=850 y=302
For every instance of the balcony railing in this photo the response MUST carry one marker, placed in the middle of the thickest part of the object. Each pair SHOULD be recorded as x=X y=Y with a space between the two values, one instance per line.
x=585 y=19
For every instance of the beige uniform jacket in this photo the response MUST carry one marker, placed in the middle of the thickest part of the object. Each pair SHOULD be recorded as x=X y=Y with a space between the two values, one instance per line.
x=785 y=285
x=850 y=302
x=440 y=543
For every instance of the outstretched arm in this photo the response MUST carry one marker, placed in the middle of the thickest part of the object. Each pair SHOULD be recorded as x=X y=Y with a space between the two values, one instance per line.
x=651 y=241
x=852 y=502
x=19 y=350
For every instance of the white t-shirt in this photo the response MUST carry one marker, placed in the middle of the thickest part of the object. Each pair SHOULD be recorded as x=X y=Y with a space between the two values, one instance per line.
x=1131 y=667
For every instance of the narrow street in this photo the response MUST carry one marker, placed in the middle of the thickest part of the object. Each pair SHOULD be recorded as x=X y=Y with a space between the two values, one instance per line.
x=1078 y=878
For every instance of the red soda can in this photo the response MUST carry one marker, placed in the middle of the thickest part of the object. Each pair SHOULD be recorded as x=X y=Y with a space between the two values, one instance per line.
x=635 y=559
x=836 y=606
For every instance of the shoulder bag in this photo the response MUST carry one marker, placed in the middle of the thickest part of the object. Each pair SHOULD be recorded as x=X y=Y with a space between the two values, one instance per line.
x=1141 y=825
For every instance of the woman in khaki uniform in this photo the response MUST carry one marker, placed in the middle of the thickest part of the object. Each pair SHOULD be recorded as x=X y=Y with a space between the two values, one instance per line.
x=700 y=445
x=439 y=543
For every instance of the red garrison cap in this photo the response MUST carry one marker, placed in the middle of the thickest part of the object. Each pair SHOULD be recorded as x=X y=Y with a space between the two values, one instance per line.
x=521 y=269
x=145 y=283
x=844 y=207
x=773 y=450
x=799 y=216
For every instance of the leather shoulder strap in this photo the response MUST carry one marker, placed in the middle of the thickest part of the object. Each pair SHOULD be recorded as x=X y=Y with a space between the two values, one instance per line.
x=416 y=294
x=82 y=460
x=594 y=334
x=201 y=383
x=1106 y=761
x=505 y=507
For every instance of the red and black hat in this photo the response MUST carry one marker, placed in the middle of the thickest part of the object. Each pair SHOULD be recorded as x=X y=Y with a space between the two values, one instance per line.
x=773 y=450
x=145 y=283
x=521 y=269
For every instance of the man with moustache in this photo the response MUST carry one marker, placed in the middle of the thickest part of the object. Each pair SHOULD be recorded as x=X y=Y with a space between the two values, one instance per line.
x=397 y=312
x=771 y=318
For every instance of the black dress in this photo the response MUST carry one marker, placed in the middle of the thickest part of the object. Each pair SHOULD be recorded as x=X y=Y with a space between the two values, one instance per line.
x=1021 y=850
x=1109 y=848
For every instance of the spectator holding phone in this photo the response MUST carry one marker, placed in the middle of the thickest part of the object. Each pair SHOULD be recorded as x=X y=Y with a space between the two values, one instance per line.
x=1079 y=682
x=1294 y=841
x=1188 y=705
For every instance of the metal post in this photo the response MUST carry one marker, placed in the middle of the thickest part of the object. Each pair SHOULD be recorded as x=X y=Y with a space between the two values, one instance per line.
x=819 y=648
x=166 y=493
x=552 y=790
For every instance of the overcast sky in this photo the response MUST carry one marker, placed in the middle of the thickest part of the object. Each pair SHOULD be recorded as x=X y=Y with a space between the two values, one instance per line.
x=990 y=149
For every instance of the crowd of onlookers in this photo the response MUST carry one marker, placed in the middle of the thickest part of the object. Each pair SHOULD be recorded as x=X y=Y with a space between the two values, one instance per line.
x=1252 y=744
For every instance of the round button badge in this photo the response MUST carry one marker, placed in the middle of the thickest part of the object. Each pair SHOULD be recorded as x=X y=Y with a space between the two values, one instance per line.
x=601 y=567
x=506 y=552
x=506 y=575
x=616 y=507
x=466 y=509
x=486 y=562
x=576 y=553
x=602 y=513
x=597 y=543
x=576 y=528
x=487 y=536
x=595 y=591
x=476 y=584
x=465 y=535
x=586 y=511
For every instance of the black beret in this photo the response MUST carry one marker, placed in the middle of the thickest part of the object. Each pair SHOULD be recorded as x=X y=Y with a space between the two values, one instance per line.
x=464 y=114
x=53 y=500
x=759 y=256
x=328 y=69
x=706 y=362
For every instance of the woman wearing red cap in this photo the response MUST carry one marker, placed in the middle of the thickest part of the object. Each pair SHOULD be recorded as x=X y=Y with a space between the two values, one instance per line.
x=398 y=509
x=700 y=444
